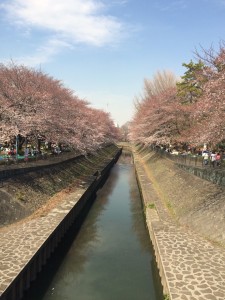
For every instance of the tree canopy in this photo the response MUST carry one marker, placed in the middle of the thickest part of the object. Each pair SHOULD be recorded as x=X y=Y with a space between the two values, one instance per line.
x=190 y=110
x=34 y=103
x=189 y=88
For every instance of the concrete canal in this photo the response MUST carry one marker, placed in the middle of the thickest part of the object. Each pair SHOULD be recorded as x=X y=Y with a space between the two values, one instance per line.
x=110 y=257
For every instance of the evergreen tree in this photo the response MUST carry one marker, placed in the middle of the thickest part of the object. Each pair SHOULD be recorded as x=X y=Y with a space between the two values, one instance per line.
x=190 y=86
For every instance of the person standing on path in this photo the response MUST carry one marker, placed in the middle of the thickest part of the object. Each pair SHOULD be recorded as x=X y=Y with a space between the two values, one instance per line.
x=205 y=156
x=213 y=158
x=218 y=158
x=26 y=154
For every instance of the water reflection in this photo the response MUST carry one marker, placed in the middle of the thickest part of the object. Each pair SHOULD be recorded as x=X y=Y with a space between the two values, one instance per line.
x=110 y=257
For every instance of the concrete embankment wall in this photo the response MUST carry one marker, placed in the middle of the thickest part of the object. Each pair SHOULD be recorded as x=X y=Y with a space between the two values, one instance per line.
x=28 y=273
x=215 y=175
x=19 y=169
x=151 y=218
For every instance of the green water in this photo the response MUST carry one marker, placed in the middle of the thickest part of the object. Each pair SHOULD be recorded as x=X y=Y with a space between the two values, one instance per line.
x=110 y=257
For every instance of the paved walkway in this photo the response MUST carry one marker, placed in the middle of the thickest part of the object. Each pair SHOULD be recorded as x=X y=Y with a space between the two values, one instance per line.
x=19 y=242
x=192 y=268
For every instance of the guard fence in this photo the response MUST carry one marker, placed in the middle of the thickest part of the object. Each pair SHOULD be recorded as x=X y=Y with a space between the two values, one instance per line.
x=10 y=161
x=190 y=159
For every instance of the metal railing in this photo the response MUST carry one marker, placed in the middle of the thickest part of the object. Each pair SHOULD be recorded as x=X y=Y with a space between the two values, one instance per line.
x=190 y=159
x=11 y=161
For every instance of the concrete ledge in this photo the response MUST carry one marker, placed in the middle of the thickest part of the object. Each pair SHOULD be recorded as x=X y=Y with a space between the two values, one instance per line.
x=152 y=220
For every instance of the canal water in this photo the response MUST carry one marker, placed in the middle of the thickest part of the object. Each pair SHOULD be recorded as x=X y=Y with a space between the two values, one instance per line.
x=110 y=257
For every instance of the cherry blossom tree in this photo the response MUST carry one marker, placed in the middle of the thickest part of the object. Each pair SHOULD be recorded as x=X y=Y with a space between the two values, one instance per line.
x=124 y=132
x=34 y=104
x=189 y=111
x=207 y=114
x=157 y=117
x=211 y=57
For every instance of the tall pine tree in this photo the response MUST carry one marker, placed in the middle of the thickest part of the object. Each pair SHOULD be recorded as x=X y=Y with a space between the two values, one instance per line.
x=189 y=88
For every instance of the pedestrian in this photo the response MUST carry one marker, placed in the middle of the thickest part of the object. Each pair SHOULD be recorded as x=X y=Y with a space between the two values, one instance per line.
x=218 y=158
x=205 y=155
x=213 y=158
x=26 y=154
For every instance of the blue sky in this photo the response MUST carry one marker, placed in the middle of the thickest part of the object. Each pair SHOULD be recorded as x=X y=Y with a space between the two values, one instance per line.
x=103 y=49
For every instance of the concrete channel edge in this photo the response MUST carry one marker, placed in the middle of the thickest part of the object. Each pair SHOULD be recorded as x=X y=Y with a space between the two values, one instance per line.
x=151 y=217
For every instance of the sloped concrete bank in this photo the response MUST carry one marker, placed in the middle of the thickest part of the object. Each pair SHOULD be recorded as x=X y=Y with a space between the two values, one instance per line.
x=25 y=247
x=191 y=267
x=22 y=194
x=192 y=201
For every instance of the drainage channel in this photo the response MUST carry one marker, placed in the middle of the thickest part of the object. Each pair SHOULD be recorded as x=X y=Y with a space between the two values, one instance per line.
x=110 y=257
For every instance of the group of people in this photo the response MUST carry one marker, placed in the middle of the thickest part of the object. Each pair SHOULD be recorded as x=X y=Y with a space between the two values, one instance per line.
x=211 y=157
x=8 y=151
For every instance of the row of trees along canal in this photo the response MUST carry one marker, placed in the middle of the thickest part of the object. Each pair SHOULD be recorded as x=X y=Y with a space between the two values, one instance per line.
x=33 y=104
x=190 y=110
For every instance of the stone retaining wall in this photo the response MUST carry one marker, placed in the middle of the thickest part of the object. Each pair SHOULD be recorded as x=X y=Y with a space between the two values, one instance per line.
x=214 y=175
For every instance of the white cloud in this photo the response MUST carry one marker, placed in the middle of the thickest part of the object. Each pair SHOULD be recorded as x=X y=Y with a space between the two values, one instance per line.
x=44 y=53
x=63 y=23
x=75 y=21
